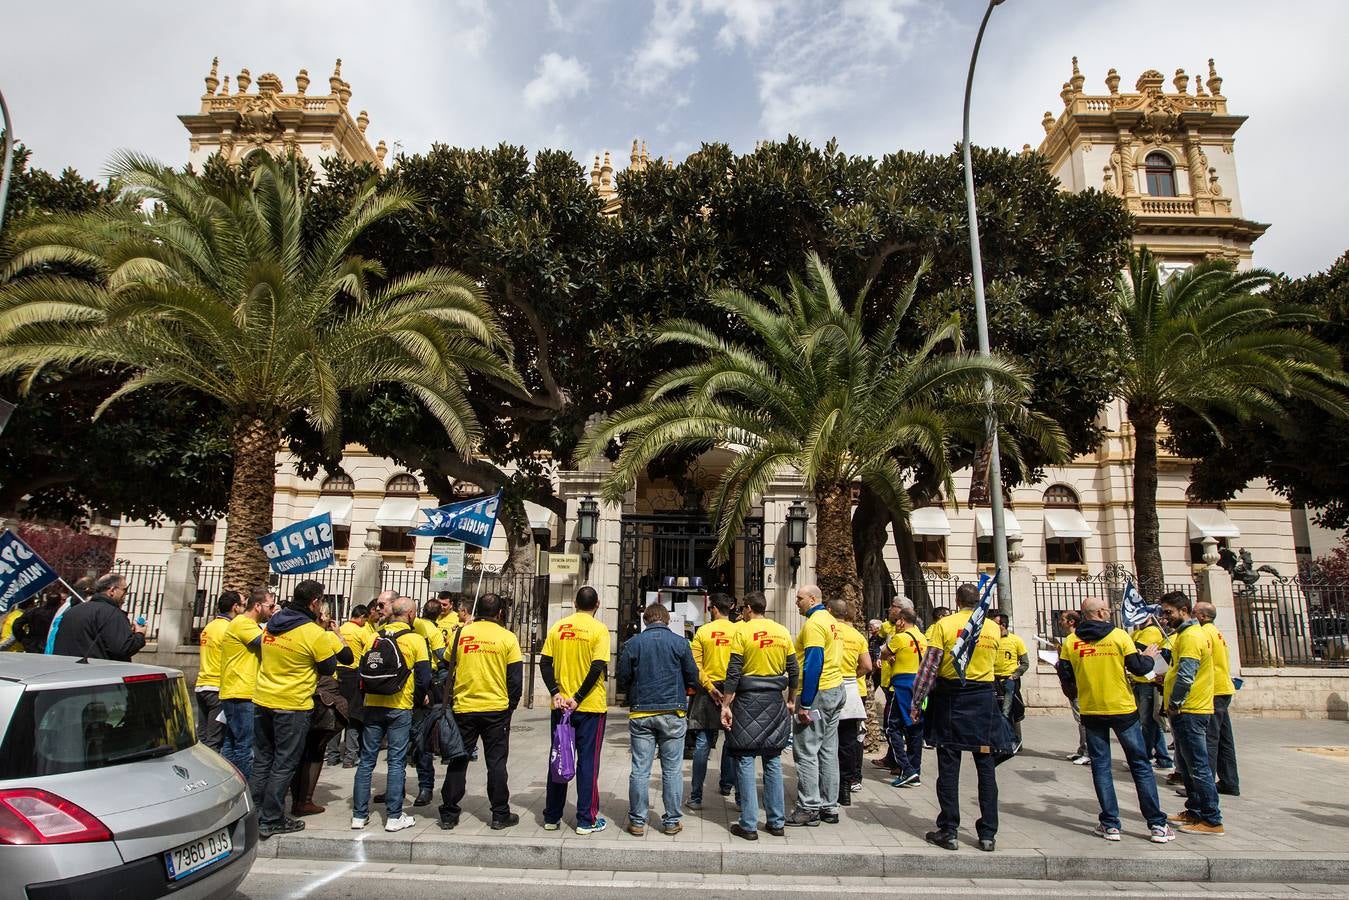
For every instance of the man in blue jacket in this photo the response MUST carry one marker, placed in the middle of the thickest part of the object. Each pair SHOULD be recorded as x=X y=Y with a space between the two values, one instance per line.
x=656 y=671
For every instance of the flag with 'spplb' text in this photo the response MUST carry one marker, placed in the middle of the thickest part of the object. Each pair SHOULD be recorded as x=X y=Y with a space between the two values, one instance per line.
x=1135 y=611
x=968 y=638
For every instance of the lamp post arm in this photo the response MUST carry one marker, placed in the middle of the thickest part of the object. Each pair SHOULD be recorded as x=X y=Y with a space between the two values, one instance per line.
x=981 y=326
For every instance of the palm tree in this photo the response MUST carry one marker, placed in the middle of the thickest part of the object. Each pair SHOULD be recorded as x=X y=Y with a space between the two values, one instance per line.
x=1207 y=341
x=217 y=289
x=816 y=393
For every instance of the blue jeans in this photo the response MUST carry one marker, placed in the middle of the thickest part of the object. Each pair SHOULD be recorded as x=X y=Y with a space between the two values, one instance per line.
x=905 y=741
x=397 y=724
x=1191 y=733
x=702 y=749
x=1149 y=701
x=1136 y=755
x=663 y=733
x=237 y=746
x=774 y=798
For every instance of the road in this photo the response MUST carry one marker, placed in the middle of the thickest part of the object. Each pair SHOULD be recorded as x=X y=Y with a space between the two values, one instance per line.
x=281 y=879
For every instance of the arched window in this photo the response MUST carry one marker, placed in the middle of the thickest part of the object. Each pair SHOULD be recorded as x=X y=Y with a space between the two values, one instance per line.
x=337 y=484
x=403 y=484
x=1161 y=175
x=335 y=499
x=1065 y=527
x=393 y=534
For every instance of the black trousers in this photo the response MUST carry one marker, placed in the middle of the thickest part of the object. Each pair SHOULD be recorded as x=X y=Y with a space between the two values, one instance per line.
x=1222 y=745
x=278 y=744
x=495 y=730
x=210 y=731
x=849 y=753
x=948 y=792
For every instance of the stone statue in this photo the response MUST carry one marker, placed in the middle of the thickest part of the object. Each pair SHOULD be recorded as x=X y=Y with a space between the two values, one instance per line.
x=1243 y=570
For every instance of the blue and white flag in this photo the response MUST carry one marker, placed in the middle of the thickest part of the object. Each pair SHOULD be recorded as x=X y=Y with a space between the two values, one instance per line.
x=303 y=547
x=1135 y=611
x=470 y=521
x=22 y=571
x=968 y=638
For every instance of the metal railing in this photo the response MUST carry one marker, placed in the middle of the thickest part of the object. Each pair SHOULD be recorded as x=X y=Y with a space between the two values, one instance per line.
x=1053 y=598
x=1291 y=622
x=145 y=592
x=337 y=585
x=932 y=591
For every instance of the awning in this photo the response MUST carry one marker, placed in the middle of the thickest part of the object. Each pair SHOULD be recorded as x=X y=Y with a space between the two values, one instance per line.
x=540 y=517
x=1211 y=523
x=1066 y=523
x=399 y=512
x=983 y=522
x=930 y=520
x=336 y=506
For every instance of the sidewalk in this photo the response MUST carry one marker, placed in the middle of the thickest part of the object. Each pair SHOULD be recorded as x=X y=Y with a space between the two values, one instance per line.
x=1291 y=823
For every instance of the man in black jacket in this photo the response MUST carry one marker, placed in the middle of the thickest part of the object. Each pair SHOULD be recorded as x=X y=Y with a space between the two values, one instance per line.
x=99 y=629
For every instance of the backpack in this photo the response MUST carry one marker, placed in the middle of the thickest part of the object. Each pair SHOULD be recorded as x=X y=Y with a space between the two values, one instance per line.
x=383 y=669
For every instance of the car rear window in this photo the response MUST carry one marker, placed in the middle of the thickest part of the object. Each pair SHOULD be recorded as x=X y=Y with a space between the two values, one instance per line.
x=93 y=726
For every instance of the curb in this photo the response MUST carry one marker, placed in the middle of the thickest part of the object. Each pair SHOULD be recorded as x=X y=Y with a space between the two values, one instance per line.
x=588 y=854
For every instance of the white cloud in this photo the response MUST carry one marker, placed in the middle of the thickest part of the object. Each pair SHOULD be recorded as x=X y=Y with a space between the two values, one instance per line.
x=746 y=20
x=558 y=78
x=666 y=47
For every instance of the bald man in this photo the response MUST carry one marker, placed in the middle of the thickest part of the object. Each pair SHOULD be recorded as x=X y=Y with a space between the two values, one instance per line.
x=1093 y=661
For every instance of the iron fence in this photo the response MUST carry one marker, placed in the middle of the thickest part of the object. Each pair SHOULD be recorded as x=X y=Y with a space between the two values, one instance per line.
x=933 y=591
x=1291 y=622
x=1052 y=598
x=145 y=592
x=337 y=585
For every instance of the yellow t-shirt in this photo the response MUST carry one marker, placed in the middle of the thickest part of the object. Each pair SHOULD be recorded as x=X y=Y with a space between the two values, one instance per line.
x=435 y=639
x=1192 y=643
x=943 y=634
x=238 y=661
x=1147 y=636
x=574 y=643
x=7 y=629
x=1010 y=651
x=854 y=647
x=887 y=630
x=370 y=629
x=1222 y=663
x=358 y=639
x=908 y=647
x=287 y=675
x=711 y=646
x=821 y=630
x=485 y=650
x=1102 y=689
x=762 y=646
x=413 y=647
x=447 y=623
x=208 y=676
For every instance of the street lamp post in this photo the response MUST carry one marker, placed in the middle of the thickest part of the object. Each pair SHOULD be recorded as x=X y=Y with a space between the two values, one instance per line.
x=9 y=158
x=981 y=324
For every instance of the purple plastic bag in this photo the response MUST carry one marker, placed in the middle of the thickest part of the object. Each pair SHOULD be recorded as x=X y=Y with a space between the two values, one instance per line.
x=562 y=759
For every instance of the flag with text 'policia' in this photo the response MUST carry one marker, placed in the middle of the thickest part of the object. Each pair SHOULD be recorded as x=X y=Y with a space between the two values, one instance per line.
x=965 y=643
x=470 y=521
x=300 y=548
x=22 y=572
x=1135 y=611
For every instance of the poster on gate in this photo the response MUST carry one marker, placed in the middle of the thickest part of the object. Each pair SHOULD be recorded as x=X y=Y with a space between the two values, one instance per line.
x=447 y=566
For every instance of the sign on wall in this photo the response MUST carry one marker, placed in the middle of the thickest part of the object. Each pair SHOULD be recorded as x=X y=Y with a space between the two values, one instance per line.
x=447 y=565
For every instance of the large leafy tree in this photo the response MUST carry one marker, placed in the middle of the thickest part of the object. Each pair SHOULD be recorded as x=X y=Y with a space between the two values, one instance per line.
x=1207 y=341
x=818 y=391
x=220 y=291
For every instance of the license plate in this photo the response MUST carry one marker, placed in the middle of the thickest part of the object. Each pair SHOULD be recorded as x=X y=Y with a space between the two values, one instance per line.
x=194 y=855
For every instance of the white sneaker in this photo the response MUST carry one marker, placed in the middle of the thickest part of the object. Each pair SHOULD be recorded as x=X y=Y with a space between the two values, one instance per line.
x=1162 y=834
x=357 y=822
x=1110 y=834
x=1082 y=761
x=398 y=824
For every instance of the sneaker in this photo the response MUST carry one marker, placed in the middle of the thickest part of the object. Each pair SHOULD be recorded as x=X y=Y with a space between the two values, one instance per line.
x=510 y=820
x=695 y=805
x=1164 y=766
x=359 y=822
x=829 y=816
x=551 y=826
x=1110 y=834
x=1082 y=761
x=1162 y=834
x=1175 y=778
x=1072 y=757
x=910 y=780
x=672 y=830
x=403 y=821
x=1181 y=792
x=855 y=786
x=598 y=825
x=289 y=826
x=1202 y=828
x=804 y=817
x=348 y=765
x=1185 y=818
x=742 y=833
x=943 y=839
x=448 y=823
x=988 y=845
x=725 y=791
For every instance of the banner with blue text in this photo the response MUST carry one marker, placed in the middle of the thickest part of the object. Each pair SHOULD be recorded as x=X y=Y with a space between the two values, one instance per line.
x=471 y=521
x=22 y=572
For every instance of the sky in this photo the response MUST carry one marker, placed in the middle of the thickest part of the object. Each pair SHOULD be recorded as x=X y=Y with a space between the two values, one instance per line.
x=86 y=79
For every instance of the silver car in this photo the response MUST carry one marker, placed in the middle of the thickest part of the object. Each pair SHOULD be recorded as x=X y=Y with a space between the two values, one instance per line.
x=104 y=791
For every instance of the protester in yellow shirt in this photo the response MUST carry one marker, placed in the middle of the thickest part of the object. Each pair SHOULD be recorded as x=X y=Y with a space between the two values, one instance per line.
x=756 y=718
x=1012 y=662
x=1094 y=662
x=295 y=651
x=210 y=730
x=573 y=661
x=856 y=666
x=240 y=648
x=488 y=680
x=9 y=641
x=1188 y=690
x=1221 y=740
x=819 y=652
x=904 y=733
x=389 y=717
x=711 y=646
x=1148 y=695
x=963 y=716
x=356 y=633
x=448 y=620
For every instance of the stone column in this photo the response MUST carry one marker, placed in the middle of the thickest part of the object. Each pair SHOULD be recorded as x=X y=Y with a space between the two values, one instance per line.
x=367 y=578
x=781 y=493
x=1215 y=586
x=1035 y=685
x=180 y=592
x=605 y=566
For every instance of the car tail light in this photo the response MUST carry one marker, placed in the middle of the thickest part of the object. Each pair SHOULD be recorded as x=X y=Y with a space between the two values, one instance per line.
x=152 y=676
x=32 y=816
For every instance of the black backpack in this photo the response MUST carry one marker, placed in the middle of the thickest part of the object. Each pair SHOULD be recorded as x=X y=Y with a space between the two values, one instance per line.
x=383 y=669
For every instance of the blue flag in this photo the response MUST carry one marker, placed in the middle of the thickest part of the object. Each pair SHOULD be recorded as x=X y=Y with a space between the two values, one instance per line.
x=968 y=638
x=470 y=521
x=1135 y=611
x=303 y=547
x=22 y=571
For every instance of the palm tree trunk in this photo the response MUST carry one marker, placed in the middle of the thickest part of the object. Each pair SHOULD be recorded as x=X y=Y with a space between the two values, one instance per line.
x=1147 y=546
x=250 y=506
x=835 y=563
x=869 y=541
